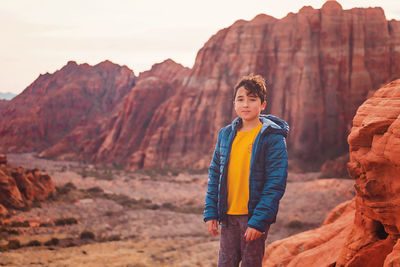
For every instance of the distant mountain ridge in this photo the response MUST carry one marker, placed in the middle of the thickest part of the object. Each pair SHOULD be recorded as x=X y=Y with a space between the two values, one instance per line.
x=7 y=96
x=55 y=104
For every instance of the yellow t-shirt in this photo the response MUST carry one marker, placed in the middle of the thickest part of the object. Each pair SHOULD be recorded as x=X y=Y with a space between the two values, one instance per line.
x=239 y=171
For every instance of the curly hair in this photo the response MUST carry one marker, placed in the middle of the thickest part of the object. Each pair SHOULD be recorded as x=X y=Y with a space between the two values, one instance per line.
x=255 y=84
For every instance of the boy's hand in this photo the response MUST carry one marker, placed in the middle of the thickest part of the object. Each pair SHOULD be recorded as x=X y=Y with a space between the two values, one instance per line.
x=212 y=227
x=252 y=234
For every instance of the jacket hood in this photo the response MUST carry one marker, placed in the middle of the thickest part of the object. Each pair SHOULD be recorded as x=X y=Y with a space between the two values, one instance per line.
x=270 y=123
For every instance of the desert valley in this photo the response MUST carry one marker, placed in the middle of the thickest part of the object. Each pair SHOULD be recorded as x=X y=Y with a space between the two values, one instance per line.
x=103 y=167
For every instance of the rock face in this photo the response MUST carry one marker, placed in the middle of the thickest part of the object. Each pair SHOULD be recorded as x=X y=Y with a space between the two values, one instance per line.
x=375 y=165
x=317 y=247
x=320 y=65
x=372 y=238
x=55 y=104
x=20 y=187
x=120 y=138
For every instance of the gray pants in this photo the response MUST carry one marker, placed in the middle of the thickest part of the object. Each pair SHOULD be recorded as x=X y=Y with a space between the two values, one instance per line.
x=233 y=245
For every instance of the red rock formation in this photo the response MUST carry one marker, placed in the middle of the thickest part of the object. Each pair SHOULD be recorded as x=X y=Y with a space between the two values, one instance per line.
x=375 y=165
x=10 y=196
x=372 y=238
x=113 y=140
x=317 y=247
x=55 y=104
x=3 y=211
x=320 y=66
x=20 y=187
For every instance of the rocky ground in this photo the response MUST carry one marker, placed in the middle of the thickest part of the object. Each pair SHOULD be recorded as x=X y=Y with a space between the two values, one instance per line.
x=110 y=217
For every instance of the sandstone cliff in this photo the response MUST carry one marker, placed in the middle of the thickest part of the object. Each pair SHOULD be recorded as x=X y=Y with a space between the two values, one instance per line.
x=55 y=104
x=320 y=66
x=366 y=230
x=115 y=138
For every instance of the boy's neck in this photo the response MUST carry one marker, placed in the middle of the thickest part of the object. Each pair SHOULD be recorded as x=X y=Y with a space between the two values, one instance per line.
x=248 y=125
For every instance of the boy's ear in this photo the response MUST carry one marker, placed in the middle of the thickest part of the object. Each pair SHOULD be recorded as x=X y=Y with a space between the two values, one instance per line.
x=263 y=105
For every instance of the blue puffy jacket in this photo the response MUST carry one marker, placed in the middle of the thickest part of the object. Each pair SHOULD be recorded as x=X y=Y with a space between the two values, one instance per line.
x=268 y=173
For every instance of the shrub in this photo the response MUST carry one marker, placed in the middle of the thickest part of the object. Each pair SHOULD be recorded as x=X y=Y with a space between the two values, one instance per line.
x=132 y=203
x=9 y=231
x=168 y=206
x=71 y=244
x=52 y=242
x=66 y=188
x=20 y=224
x=13 y=244
x=34 y=243
x=95 y=189
x=45 y=224
x=70 y=185
x=105 y=175
x=66 y=221
x=114 y=238
x=86 y=235
x=154 y=207
x=109 y=213
x=295 y=224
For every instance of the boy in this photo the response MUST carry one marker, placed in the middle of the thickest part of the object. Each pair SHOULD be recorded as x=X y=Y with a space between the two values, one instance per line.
x=246 y=181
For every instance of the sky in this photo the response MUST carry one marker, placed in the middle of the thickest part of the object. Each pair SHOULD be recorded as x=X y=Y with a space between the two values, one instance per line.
x=39 y=36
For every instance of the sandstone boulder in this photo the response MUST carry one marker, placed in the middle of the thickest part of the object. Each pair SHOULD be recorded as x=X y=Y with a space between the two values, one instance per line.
x=10 y=196
x=19 y=187
x=375 y=165
x=372 y=237
x=316 y=247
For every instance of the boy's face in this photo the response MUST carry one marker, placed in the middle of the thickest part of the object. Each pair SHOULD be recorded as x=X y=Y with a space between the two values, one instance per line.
x=247 y=105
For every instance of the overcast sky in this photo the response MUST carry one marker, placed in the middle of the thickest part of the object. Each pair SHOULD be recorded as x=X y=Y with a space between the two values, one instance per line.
x=39 y=36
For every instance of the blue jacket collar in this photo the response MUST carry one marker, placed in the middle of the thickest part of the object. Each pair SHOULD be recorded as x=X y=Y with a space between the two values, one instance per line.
x=270 y=122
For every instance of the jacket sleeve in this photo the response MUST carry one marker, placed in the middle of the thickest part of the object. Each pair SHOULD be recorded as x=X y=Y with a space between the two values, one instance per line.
x=211 y=201
x=276 y=162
